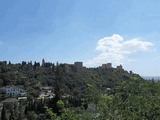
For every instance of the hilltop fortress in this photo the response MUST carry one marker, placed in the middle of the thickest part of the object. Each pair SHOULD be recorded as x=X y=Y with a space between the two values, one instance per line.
x=76 y=67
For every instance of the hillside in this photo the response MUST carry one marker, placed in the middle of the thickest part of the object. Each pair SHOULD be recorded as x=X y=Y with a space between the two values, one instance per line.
x=79 y=93
x=72 y=79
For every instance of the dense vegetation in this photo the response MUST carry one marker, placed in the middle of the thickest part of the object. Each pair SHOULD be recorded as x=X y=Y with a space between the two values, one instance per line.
x=92 y=93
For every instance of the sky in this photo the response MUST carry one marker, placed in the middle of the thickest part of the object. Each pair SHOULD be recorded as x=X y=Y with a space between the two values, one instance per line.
x=92 y=31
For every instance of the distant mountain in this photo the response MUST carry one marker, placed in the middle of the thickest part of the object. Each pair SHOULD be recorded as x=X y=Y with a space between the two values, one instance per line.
x=156 y=78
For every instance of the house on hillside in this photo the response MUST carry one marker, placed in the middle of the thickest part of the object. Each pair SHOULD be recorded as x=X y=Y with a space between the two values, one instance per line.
x=46 y=92
x=46 y=89
x=14 y=91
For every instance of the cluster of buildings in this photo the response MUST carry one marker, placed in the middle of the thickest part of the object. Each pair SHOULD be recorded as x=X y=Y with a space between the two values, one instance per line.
x=46 y=92
x=78 y=66
x=109 y=66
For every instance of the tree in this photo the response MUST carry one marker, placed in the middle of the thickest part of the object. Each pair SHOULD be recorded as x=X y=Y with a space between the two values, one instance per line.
x=32 y=115
x=49 y=114
x=57 y=89
x=4 y=114
x=12 y=116
x=93 y=95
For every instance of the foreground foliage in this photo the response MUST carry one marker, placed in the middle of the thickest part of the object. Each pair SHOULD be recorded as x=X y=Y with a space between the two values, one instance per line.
x=134 y=99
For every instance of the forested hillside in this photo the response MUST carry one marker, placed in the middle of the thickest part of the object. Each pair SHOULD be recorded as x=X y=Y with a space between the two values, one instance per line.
x=85 y=94
x=33 y=76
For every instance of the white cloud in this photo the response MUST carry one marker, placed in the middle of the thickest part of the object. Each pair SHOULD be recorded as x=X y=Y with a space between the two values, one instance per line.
x=116 y=50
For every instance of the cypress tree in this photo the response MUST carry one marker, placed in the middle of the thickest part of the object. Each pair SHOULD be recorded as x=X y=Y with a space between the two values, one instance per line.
x=57 y=88
x=4 y=114
x=12 y=116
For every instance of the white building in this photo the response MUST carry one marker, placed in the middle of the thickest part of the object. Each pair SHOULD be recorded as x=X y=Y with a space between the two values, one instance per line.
x=13 y=90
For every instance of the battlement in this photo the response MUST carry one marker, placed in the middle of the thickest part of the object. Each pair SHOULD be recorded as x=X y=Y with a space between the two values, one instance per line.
x=77 y=66
x=106 y=66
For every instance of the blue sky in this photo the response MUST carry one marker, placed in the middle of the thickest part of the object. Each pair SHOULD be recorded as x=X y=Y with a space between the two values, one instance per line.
x=92 y=31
